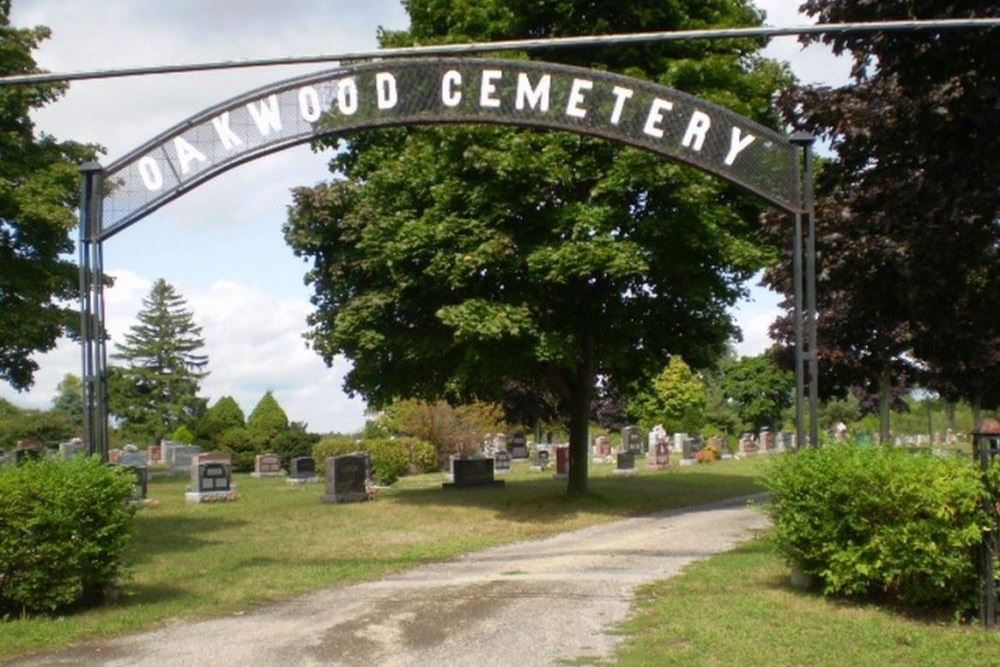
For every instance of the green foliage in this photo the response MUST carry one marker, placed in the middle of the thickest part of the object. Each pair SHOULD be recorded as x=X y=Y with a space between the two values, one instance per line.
x=183 y=434
x=38 y=199
x=391 y=458
x=64 y=526
x=451 y=262
x=266 y=421
x=881 y=523
x=451 y=429
x=69 y=400
x=157 y=390
x=221 y=417
x=676 y=399
x=758 y=390
x=241 y=445
x=45 y=426
x=294 y=441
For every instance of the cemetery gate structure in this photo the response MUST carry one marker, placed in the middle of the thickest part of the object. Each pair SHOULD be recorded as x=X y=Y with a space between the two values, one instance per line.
x=419 y=91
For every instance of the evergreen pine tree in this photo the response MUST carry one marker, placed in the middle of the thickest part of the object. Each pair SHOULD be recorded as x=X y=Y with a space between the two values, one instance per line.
x=157 y=390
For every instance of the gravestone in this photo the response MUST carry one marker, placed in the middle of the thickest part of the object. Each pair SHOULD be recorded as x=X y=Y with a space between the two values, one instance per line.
x=786 y=440
x=748 y=446
x=626 y=464
x=633 y=439
x=656 y=436
x=501 y=462
x=602 y=447
x=678 y=443
x=467 y=473
x=115 y=456
x=68 y=450
x=346 y=479
x=518 y=446
x=541 y=460
x=267 y=465
x=562 y=462
x=658 y=456
x=182 y=457
x=134 y=459
x=765 y=442
x=688 y=450
x=140 y=486
x=155 y=454
x=302 y=470
x=211 y=479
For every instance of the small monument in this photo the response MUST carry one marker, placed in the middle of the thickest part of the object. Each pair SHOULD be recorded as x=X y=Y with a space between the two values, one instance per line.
x=518 y=446
x=626 y=464
x=211 y=479
x=302 y=470
x=541 y=461
x=562 y=462
x=346 y=478
x=602 y=448
x=267 y=465
x=501 y=462
x=28 y=449
x=658 y=456
x=74 y=447
x=467 y=473
x=632 y=440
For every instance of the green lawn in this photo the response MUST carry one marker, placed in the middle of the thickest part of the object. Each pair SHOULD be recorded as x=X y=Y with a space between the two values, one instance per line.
x=194 y=561
x=738 y=609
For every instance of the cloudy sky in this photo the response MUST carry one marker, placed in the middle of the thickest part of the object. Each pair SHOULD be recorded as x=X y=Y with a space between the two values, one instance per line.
x=221 y=244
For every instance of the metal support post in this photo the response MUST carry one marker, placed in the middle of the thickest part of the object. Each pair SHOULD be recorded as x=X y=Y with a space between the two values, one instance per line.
x=806 y=141
x=92 y=332
x=800 y=425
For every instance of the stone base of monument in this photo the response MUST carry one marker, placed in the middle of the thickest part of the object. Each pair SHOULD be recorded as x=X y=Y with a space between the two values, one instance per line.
x=687 y=462
x=334 y=498
x=727 y=457
x=625 y=472
x=259 y=475
x=302 y=480
x=474 y=485
x=210 y=496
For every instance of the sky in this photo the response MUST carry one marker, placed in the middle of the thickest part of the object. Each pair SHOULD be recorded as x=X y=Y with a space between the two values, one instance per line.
x=221 y=245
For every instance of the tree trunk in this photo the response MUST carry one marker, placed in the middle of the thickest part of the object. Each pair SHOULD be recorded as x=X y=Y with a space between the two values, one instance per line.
x=884 y=403
x=579 y=423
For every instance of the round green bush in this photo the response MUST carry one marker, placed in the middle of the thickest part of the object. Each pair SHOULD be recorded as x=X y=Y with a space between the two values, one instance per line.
x=881 y=524
x=64 y=526
x=391 y=458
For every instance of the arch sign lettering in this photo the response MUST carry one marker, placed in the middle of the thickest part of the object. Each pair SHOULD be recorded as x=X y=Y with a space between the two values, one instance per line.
x=412 y=92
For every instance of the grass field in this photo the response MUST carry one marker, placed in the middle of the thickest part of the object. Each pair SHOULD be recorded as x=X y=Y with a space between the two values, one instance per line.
x=194 y=561
x=738 y=609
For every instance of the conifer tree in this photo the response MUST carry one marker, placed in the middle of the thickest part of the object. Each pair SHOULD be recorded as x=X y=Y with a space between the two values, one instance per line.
x=157 y=389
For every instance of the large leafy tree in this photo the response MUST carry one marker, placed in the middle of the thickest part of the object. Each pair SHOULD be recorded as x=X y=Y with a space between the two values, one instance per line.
x=676 y=398
x=224 y=416
x=451 y=262
x=908 y=225
x=157 y=389
x=38 y=194
x=69 y=400
x=758 y=390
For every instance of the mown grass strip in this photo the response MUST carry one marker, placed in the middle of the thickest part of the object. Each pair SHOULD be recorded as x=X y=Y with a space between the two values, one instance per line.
x=739 y=609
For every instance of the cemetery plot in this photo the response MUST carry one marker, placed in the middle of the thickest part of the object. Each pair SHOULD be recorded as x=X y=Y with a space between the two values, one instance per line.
x=302 y=470
x=347 y=479
x=467 y=473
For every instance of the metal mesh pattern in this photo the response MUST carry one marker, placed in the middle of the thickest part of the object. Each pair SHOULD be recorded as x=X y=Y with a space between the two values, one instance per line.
x=427 y=91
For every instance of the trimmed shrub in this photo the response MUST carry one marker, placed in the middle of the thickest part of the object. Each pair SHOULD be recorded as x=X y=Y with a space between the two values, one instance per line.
x=391 y=458
x=881 y=524
x=64 y=526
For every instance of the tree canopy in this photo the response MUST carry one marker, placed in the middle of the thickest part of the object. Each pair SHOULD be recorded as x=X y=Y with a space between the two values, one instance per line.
x=908 y=217
x=676 y=398
x=157 y=389
x=758 y=390
x=452 y=262
x=38 y=195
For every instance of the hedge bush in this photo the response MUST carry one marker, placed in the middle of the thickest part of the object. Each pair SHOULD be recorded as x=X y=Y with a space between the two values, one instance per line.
x=64 y=526
x=881 y=524
x=391 y=458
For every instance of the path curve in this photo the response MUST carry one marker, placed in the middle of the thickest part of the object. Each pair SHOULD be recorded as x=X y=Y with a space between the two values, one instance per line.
x=536 y=603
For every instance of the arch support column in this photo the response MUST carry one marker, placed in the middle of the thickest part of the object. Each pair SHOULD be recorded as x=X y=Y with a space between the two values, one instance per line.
x=93 y=336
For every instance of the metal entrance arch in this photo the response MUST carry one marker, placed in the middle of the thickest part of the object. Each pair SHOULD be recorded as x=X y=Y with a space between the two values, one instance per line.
x=435 y=91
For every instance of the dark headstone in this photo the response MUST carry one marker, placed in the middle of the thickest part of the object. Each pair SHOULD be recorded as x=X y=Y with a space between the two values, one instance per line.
x=346 y=479
x=472 y=472
x=141 y=485
x=211 y=476
x=518 y=447
x=302 y=467
x=501 y=462
x=626 y=460
x=632 y=439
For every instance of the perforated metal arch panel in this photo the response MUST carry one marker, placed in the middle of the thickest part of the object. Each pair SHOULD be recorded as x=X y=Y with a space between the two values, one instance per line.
x=429 y=91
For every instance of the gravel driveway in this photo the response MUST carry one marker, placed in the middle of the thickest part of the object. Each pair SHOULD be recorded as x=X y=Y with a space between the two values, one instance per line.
x=542 y=602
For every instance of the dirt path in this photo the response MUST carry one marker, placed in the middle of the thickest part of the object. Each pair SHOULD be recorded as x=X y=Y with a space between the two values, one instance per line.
x=533 y=603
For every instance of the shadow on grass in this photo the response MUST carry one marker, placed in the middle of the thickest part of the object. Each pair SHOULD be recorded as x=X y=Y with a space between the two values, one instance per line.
x=169 y=534
x=542 y=500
